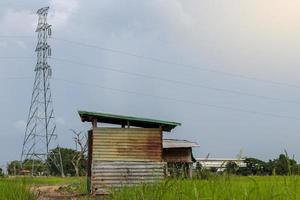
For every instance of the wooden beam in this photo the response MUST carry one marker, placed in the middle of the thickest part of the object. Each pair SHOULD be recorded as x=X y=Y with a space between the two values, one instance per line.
x=94 y=122
x=190 y=170
x=128 y=124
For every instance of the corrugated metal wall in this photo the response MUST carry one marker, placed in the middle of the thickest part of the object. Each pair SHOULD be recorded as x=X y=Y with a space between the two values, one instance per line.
x=125 y=156
x=115 y=174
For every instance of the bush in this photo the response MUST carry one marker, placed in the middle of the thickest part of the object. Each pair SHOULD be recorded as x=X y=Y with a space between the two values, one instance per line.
x=1 y=172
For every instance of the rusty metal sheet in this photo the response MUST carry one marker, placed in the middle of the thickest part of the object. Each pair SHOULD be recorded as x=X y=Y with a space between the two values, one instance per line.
x=127 y=144
x=115 y=174
x=125 y=157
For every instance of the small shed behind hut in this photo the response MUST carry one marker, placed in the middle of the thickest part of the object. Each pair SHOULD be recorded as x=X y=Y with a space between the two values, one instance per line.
x=178 y=154
x=126 y=155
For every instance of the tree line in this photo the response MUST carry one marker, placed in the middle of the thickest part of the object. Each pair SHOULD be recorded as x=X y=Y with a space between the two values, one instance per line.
x=283 y=165
x=71 y=165
x=74 y=161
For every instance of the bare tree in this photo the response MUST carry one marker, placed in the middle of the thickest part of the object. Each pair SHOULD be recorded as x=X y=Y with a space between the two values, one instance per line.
x=80 y=140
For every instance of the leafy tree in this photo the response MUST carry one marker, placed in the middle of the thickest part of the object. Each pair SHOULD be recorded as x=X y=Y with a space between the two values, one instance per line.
x=39 y=166
x=1 y=172
x=67 y=156
x=283 y=165
x=14 y=168
x=231 y=167
x=256 y=167
x=198 y=169
x=213 y=169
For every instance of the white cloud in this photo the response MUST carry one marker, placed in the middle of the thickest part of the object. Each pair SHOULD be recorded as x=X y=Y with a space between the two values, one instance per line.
x=23 y=22
x=18 y=22
x=60 y=11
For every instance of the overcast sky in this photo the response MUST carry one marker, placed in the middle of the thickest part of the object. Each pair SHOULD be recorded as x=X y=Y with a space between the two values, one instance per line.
x=227 y=70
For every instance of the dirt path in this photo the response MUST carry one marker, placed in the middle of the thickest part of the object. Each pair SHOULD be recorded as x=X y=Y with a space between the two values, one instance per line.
x=52 y=193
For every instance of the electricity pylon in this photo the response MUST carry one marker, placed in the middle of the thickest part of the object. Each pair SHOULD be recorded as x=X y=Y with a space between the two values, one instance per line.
x=40 y=134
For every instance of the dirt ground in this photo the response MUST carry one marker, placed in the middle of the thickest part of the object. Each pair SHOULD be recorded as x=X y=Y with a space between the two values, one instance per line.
x=52 y=193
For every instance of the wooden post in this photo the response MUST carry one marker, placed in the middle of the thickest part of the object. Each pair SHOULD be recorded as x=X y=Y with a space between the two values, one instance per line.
x=190 y=170
x=94 y=122
x=128 y=124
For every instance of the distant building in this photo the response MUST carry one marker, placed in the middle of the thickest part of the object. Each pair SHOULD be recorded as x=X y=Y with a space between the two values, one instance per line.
x=179 y=157
x=25 y=172
x=219 y=163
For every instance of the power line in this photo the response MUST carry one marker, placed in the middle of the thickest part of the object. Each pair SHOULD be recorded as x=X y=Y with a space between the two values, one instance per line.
x=16 y=78
x=14 y=58
x=169 y=98
x=193 y=67
x=108 y=68
x=179 y=100
x=16 y=36
x=235 y=92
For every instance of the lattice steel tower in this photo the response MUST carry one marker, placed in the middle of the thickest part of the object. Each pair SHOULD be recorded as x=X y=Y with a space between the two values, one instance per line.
x=40 y=134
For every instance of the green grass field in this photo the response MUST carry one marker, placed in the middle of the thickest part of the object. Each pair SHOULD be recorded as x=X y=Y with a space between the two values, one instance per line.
x=217 y=188
x=19 y=188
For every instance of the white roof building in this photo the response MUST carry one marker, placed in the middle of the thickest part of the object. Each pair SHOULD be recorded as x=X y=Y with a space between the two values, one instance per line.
x=219 y=163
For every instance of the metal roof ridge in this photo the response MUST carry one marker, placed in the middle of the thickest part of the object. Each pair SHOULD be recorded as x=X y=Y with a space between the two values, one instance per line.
x=129 y=117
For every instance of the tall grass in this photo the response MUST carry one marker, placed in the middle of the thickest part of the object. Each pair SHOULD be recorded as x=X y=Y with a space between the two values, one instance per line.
x=223 y=187
x=15 y=189
x=19 y=188
x=217 y=188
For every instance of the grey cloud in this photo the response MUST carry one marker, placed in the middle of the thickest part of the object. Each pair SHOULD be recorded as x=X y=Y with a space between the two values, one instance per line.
x=230 y=36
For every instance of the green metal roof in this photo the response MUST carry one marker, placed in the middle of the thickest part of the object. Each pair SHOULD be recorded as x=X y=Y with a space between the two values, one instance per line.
x=123 y=120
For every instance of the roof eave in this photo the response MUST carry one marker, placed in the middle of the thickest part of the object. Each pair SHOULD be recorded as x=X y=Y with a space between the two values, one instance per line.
x=134 y=121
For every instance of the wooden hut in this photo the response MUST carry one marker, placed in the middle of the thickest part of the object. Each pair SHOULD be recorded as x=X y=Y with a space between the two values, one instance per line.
x=126 y=155
x=178 y=155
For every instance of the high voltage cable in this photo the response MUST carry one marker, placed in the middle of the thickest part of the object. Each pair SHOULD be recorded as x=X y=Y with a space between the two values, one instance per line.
x=15 y=57
x=16 y=36
x=235 y=92
x=168 y=98
x=193 y=67
x=108 y=68
x=15 y=78
x=179 y=100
